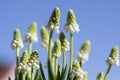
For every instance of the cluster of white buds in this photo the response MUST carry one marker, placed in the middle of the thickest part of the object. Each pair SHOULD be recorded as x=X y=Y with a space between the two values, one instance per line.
x=56 y=51
x=71 y=24
x=17 y=40
x=31 y=34
x=54 y=20
x=44 y=37
x=64 y=42
x=84 y=52
x=23 y=63
x=76 y=71
x=100 y=76
x=33 y=61
x=113 y=57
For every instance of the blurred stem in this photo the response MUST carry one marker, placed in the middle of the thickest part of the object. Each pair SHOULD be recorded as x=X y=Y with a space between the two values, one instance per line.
x=29 y=52
x=32 y=73
x=17 y=57
x=108 y=70
x=23 y=76
x=29 y=48
x=80 y=63
x=55 y=67
x=17 y=63
x=49 y=46
x=71 y=51
x=63 y=59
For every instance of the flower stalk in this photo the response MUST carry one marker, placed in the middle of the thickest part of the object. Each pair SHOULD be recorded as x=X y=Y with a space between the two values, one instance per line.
x=108 y=70
x=71 y=50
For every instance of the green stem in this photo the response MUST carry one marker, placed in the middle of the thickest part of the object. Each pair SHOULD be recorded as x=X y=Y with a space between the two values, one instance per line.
x=29 y=52
x=17 y=62
x=108 y=70
x=23 y=76
x=71 y=50
x=49 y=46
x=80 y=63
x=32 y=73
x=49 y=49
x=29 y=48
x=55 y=68
x=63 y=59
x=17 y=57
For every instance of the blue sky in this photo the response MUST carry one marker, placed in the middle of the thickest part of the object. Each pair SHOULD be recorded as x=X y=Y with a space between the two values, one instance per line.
x=99 y=22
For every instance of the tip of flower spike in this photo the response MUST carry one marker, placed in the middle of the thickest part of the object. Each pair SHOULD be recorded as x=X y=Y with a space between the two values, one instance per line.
x=31 y=34
x=114 y=56
x=56 y=51
x=71 y=17
x=17 y=40
x=100 y=76
x=54 y=20
x=85 y=47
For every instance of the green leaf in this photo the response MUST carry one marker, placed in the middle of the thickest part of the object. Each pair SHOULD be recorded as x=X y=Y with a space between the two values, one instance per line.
x=38 y=75
x=64 y=73
x=68 y=76
x=58 y=73
x=50 y=70
x=42 y=73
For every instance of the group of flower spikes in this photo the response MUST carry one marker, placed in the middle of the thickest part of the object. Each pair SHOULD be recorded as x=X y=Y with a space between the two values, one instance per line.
x=30 y=59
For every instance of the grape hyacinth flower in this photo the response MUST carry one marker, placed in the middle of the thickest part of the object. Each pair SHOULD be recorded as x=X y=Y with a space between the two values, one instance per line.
x=112 y=60
x=53 y=23
x=31 y=35
x=76 y=71
x=84 y=52
x=17 y=40
x=17 y=44
x=113 y=57
x=44 y=37
x=64 y=47
x=100 y=76
x=23 y=62
x=71 y=24
x=64 y=42
x=33 y=61
x=56 y=51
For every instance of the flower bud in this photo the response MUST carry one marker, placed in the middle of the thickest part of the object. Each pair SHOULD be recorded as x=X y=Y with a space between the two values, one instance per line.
x=100 y=76
x=17 y=40
x=31 y=34
x=84 y=52
x=56 y=51
x=64 y=42
x=71 y=24
x=44 y=37
x=113 y=57
x=54 y=20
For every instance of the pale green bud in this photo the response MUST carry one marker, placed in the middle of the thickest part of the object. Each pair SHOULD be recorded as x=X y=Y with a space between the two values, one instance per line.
x=100 y=76
x=33 y=61
x=84 y=76
x=83 y=54
x=85 y=49
x=31 y=34
x=54 y=20
x=56 y=51
x=17 y=40
x=114 y=56
x=71 y=19
x=64 y=42
x=44 y=37
x=76 y=71
x=71 y=24
x=24 y=58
